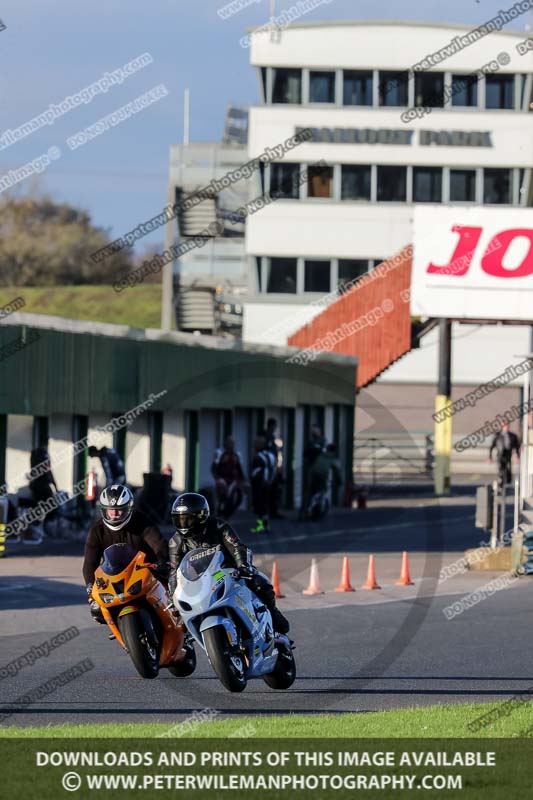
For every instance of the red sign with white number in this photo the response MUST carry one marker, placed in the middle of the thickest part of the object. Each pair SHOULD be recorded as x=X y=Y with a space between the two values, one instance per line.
x=473 y=263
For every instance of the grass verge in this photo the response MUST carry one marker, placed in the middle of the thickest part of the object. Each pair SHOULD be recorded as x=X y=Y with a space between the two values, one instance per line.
x=431 y=722
x=139 y=306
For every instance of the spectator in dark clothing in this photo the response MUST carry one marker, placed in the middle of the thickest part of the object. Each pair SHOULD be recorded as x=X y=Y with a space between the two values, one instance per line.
x=41 y=485
x=263 y=470
x=273 y=445
x=505 y=443
x=315 y=446
x=325 y=464
x=229 y=477
x=112 y=464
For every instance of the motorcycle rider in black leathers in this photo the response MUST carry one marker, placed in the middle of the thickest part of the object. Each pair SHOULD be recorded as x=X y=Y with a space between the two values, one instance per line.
x=195 y=527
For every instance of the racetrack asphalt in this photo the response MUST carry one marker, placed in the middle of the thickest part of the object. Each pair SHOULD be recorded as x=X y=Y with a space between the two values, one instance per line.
x=360 y=652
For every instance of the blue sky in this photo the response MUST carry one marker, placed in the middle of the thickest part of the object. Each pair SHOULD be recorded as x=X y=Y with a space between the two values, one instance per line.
x=51 y=50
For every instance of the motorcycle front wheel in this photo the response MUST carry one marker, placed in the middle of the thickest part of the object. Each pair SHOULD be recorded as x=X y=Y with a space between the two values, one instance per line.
x=139 y=637
x=225 y=660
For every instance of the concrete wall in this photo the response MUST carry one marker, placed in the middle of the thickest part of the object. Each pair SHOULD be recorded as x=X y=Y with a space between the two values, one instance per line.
x=19 y=440
x=209 y=441
x=479 y=354
x=61 y=450
x=137 y=451
x=328 y=229
x=273 y=322
x=102 y=440
x=298 y=451
x=389 y=45
x=174 y=447
x=397 y=407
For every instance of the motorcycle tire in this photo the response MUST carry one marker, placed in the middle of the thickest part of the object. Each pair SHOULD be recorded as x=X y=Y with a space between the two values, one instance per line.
x=139 y=637
x=284 y=673
x=229 y=666
x=185 y=667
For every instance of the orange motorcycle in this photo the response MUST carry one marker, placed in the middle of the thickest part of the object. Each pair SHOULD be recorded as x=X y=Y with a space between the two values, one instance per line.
x=134 y=605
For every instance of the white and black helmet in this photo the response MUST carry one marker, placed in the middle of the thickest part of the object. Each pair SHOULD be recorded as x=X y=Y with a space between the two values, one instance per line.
x=116 y=498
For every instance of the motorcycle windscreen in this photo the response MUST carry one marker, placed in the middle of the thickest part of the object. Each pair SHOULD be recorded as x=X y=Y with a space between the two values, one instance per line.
x=197 y=562
x=117 y=557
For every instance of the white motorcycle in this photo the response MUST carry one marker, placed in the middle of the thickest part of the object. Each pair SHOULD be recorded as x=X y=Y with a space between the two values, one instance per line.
x=231 y=624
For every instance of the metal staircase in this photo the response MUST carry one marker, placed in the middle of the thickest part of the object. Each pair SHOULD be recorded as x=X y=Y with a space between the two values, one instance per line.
x=196 y=310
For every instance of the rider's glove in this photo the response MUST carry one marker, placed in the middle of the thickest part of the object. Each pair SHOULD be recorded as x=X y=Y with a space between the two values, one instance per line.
x=89 y=590
x=161 y=571
x=246 y=571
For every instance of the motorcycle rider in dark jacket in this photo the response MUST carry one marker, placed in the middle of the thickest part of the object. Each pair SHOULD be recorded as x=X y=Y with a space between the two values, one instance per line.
x=121 y=524
x=195 y=527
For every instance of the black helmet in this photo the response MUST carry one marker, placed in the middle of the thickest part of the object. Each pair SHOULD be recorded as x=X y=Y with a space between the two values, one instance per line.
x=116 y=498
x=189 y=513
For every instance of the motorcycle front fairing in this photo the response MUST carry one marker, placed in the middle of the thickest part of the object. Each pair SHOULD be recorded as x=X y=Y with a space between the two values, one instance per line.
x=208 y=595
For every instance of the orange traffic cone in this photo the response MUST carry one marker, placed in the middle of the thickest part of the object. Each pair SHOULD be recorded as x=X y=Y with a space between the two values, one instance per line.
x=344 y=585
x=405 y=578
x=314 y=581
x=275 y=580
x=371 y=582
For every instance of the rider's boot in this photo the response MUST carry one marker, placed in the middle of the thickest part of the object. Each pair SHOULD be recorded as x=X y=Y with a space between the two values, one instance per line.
x=280 y=623
x=259 y=526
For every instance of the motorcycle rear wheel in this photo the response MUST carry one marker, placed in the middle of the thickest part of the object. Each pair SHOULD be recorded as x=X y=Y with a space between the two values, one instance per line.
x=139 y=637
x=228 y=665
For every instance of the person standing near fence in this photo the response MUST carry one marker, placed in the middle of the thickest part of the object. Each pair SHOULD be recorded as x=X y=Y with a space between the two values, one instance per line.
x=505 y=443
x=230 y=481
x=275 y=446
x=263 y=470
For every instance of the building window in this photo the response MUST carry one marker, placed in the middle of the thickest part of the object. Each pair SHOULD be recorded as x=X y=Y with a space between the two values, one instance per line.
x=499 y=91
x=281 y=276
x=522 y=188
x=497 y=186
x=319 y=181
x=462 y=186
x=427 y=185
x=263 y=73
x=284 y=180
x=393 y=88
x=355 y=182
x=350 y=269
x=429 y=89
x=321 y=87
x=464 y=90
x=317 y=276
x=392 y=184
x=287 y=86
x=357 y=88
x=259 y=273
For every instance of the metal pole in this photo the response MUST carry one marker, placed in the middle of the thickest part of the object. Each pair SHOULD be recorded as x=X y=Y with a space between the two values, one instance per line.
x=494 y=533
x=524 y=455
x=443 y=429
x=503 y=515
x=186 y=116
x=3 y=520
x=167 y=283
x=516 y=504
